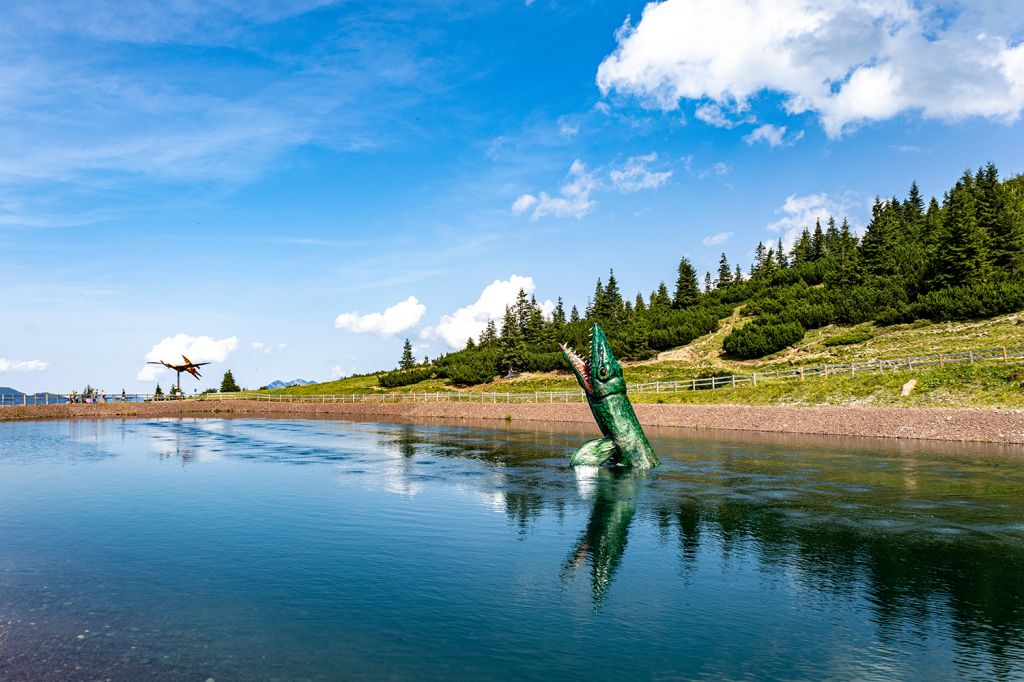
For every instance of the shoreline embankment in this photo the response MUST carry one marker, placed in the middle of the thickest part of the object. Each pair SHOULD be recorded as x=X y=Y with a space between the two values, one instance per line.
x=975 y=425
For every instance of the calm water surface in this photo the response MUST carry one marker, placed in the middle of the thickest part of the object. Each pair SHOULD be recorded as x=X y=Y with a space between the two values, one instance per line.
x=323 y=550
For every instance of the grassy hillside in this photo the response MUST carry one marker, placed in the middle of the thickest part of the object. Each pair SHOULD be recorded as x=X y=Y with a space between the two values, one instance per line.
x=981 y=385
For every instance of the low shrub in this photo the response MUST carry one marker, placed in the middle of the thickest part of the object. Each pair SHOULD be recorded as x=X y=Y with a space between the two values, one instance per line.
x=850 y=337
x=762 y=337
x=405 y=377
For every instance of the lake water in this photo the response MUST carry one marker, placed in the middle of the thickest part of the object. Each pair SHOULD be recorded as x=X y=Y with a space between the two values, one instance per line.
x=326 y=550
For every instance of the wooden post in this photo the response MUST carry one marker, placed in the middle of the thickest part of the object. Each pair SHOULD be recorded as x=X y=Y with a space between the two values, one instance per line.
x=1005 y=357
x=753 y=377
x=971 y=354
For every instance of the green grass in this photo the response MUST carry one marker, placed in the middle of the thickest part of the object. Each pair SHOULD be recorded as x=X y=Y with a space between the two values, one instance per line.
x=983 y=385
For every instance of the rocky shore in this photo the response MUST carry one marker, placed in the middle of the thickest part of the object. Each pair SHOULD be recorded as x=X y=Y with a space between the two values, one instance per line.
x=955 y=425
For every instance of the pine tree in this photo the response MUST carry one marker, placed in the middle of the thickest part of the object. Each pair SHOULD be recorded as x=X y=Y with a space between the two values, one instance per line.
x=687 y=289
x=535 y=325
x=660 y=297
x=228 y=384
x=489 y=337
x=574 y=315
x=962 y=254
x=759 y=255
x=707 y=282
x=817 y=242
x=158 y=391
x=1005 y=235
x=878 y=248
x=522 y=311
x=558 y=315
x=597 y=302
x=724 y=273
x=612 y=300
x=639 y=305
x=913 y=210
x=780 y=255
x=802 y=249
x=831 y=237
x=737 y=275
x=470 y=344
x=407 y=361
x=513 y=347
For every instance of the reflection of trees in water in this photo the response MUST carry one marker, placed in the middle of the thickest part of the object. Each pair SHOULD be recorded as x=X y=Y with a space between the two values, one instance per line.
x=908 y=578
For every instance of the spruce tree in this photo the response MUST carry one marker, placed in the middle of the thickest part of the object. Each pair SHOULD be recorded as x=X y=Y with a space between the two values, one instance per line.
x=780 y=255
x=158 y=391
x=759 y=255
x=489 y=337
x=574 y=315
x=612 y=308
x=407 y=361
x=558 y=315
x=639 y=305
x=817 y=242
x=995 y=216
x=724 y=273
x=737 y=275
x=227 y=384
x=522 y=311
x=597 y=302
x=961 y=258
x=513 y=347
x=802 y=249
x=470 y=344
x=660 y=297
x=707 y=282
x=687 y=289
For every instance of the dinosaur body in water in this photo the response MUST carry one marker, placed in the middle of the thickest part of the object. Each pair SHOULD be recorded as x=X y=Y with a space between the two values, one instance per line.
x=624 y=442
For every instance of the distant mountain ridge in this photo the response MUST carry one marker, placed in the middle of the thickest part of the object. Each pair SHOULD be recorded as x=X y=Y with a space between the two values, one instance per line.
x=294 y=382
x=7 y=390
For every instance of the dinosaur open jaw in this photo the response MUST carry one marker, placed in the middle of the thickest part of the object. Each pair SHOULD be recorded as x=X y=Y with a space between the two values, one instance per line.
x=580 y=366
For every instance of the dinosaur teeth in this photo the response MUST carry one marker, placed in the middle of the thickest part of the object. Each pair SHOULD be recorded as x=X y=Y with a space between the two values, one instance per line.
x=580 y=365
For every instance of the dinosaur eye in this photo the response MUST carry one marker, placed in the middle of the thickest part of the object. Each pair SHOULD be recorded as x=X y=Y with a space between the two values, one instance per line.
x=602 y=372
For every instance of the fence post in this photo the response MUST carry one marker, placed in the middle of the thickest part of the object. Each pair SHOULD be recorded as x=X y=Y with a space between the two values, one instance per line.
x=754 y=378
x=1005 y=358
x=734 y=381
x=971 y=353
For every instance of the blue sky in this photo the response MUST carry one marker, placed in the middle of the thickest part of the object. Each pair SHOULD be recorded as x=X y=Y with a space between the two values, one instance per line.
x=291 y=189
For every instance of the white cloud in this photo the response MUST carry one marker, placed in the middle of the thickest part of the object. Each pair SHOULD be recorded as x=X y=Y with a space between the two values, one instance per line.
x=195 y=348
x=635 y=175
x=801 y=212
x=397 y=318
x=714 y=115
x=573 y=200
x=470 y=320
x=22 y=365
x=718 y=238
x=848 y=61
x=720 y=168
x=266 y=347
x=566 y=129
x=770 y=134
x=337 y=372
x=523 y=204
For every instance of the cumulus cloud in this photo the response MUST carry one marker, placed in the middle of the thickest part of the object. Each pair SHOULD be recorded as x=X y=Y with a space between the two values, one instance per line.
x=573 y=200
x=397 y=318
x=22 y=365
x=470 y=321
x=719 y=238
x=635 y=174
x=195 y=348
x=848 y=61
x=799 y=212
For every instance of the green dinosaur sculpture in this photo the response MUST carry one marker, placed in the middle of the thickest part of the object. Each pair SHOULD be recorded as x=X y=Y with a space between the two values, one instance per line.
x=624 y=442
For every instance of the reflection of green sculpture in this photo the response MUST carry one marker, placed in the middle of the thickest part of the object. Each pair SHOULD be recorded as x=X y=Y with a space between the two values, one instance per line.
x=624 y=442
x=604 y=540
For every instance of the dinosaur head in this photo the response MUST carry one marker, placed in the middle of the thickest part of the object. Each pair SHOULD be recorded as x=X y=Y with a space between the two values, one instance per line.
x=601 y=375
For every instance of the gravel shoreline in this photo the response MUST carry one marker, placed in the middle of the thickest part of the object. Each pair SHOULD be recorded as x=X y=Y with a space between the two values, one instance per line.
x=942 y=424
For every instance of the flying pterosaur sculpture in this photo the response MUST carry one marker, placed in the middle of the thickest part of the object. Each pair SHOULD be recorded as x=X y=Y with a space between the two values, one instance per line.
x=188 y=366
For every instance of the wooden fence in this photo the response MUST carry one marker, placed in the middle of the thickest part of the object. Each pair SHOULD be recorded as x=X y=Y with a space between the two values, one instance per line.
x=1005 y=354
